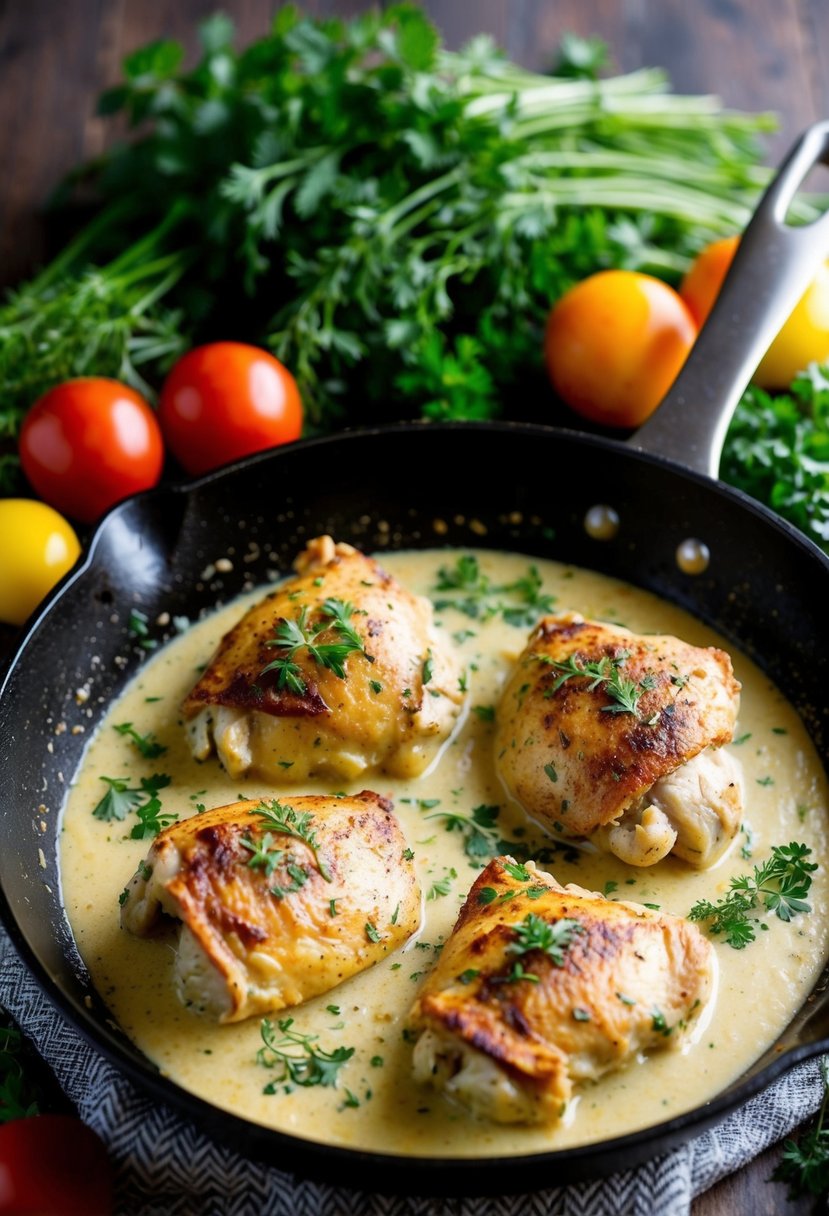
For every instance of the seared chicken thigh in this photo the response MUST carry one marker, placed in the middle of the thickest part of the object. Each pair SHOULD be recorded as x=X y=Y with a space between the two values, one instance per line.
x=613 y=735
x=278 y=901
x=337 y=671
x=542 y=986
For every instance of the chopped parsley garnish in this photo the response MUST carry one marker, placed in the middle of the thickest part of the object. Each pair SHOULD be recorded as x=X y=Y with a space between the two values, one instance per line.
x=605 y=673
x=138 y=628
x=486 y=713
x=292 y=636
x=428 y=668
x=148 y=745
x=376 y=687
x=779 y=885
x=298 y=876
x=516 y=975
x=535 y=933
x=551 y=772
x=517 y=871
x=289 y=823
x=659 y=1024
x=371 y=932
x=481 y=836
x=297 y=1057
x=443 y=886
x=466 y=977
x=264 y=853
x=121 y=798
x=475 y=595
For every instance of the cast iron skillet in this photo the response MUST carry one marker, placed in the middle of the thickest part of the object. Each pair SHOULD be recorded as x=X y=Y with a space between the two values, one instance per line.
x=515 y=487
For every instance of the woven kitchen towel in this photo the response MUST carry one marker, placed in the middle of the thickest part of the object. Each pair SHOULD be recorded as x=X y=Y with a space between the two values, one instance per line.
x=166 y=1167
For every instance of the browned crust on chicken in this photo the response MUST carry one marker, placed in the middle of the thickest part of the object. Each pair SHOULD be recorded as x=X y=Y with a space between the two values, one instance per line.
x=630 y=980
x=386 y=704
x=235 y=675
x=273 y=941
x=604 y=760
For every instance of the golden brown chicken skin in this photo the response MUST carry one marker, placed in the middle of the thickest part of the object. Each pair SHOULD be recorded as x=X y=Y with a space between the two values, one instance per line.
x=377 y=686
x=617 y=736
x=540 y=987
x=279 y=900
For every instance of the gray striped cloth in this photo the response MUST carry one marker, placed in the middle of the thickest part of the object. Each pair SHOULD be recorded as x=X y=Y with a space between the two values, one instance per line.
x=165 y=1166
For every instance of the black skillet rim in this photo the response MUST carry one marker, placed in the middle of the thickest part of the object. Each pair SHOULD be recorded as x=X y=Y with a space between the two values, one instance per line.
x=352 y=1167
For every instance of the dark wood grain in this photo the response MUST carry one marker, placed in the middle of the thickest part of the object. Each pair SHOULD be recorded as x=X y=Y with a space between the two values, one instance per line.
x=55 y=57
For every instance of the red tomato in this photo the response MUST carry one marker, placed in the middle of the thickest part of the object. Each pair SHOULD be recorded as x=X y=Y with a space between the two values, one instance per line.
x=226 y=400
x=804 y=338
x=614 y=345
x=53 y=1165
x=88 y=443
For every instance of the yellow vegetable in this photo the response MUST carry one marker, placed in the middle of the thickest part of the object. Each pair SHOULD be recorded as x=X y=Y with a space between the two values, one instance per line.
x=37 y=547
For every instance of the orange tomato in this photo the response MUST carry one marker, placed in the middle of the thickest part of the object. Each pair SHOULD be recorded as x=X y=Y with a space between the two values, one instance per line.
x=803 y=339
x=614 y=345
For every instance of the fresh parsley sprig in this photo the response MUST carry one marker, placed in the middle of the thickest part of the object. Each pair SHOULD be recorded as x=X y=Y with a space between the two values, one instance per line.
x=779 y=885
x=804 y=1164
x=535 y=933
x=298 y=1057
x=286 y=821
x=475 y=594
x=292 y=636
x=605 y=673
x=121 y=798
x=148 y=745
x=481 y=836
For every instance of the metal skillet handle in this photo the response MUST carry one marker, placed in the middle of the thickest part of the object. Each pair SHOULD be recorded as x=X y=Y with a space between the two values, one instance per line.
x=773 y=266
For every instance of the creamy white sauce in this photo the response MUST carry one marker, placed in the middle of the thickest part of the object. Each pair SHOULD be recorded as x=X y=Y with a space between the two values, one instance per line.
x=760 y=987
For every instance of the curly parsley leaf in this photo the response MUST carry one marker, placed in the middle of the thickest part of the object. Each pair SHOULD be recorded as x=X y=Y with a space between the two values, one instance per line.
x=779 y=885
x=297 y=1058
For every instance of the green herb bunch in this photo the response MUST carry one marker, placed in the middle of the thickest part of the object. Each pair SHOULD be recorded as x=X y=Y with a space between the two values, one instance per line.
x=392 y=218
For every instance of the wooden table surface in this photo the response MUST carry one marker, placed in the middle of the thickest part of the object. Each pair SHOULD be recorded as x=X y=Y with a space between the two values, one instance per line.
x=56 y=56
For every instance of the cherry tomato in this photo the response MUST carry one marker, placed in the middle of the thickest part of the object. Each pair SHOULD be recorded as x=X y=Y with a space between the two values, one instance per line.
x=37 y=547
x=88 y=443
x=803 y=339
x=226 y=400
x=53 y=1165
x=614 y=345
x=702 y=283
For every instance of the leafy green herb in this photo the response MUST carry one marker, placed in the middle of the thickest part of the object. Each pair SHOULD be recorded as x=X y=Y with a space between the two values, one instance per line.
x=581 y=1015
x=515 y=975
x=371 y=932
x=151 y=818
x=517 y=871
x=779 y=885
x=486 y=895
x=659 y=1024
x=293 y=636
x=18 y=1097
x=777 y=450
x=121 y=798
x=148 y=745
x=264 y=853
x=466 y=977
x=443 y=886
x=428 y=668
x=486 y=713
x=286 y=820
x=481 y=836
x=605 y=673
x=378 y=202
x=804 y=1164
x=535 y=933
x=297 y=1057
x=138 y=627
